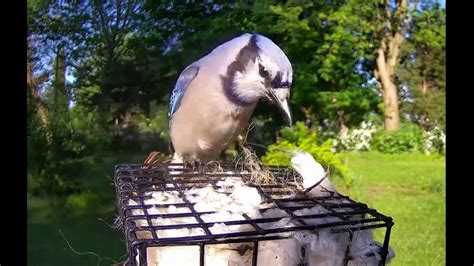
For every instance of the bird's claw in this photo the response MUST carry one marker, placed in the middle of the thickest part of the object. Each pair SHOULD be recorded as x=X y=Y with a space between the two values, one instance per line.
x=194 y=164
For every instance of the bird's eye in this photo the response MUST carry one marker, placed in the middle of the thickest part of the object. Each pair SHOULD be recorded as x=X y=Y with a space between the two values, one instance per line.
x=263 y=72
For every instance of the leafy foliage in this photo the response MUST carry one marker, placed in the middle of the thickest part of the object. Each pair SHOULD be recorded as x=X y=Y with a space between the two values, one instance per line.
x=434 y=141
x=156 y=124
x=301 y=138
x=125 y=56
x=408 y=139
x=55 y=151
x=424 y=67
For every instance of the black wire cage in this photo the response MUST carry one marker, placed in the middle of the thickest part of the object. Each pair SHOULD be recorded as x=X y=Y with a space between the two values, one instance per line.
x=135 y=182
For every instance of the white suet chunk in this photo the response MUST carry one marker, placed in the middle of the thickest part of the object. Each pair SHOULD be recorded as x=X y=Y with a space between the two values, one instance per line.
x=311 y=171
x=325 y=248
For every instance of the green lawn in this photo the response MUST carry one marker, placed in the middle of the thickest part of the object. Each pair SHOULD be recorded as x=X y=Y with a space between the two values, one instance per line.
x=82 y=219
x=85 y=234
x=409 y=188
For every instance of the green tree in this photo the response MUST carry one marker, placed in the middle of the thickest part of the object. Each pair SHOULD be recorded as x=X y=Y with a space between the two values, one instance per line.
x=391 y=23
x=92 y=36
x=60 y=99
x=423 y=68
x=328 y=58
x=327 y=42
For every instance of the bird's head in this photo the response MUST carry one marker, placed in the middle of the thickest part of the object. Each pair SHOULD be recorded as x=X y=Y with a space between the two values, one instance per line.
x=264 y=73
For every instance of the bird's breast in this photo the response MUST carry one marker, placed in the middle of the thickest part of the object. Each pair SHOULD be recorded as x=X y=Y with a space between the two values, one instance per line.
x=207 y=132
x=228 y=124
x=207 y=121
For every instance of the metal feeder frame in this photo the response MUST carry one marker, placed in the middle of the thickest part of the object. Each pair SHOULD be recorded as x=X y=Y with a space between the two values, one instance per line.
x=132 y=181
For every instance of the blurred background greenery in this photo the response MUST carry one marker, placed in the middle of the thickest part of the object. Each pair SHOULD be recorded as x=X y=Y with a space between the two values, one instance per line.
x=368 y=95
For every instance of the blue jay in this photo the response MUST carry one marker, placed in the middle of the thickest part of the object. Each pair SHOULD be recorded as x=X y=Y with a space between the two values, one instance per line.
x=214 y=97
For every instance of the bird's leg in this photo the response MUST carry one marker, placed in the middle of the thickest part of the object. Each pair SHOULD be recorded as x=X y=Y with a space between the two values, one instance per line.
x=194 y=164
x=197 y=165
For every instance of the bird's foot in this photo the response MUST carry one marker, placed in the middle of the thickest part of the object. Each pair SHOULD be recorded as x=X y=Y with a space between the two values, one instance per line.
x=194 y=164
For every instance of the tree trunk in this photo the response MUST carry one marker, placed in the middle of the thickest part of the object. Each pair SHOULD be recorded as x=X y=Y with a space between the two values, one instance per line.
x=424 y=87
x=59 y=82
x=343 y=129
x=389 y=92
x=392 y=115
x=387 y=58
x=32 y=83
x=40 y=110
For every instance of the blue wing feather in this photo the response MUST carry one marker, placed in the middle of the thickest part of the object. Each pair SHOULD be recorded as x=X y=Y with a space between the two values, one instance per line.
x=180 y=88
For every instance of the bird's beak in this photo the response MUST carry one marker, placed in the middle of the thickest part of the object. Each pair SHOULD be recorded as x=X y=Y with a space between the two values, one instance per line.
x=282 y=105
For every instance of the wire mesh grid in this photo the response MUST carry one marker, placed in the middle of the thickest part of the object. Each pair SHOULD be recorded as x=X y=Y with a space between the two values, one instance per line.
x=136 y=183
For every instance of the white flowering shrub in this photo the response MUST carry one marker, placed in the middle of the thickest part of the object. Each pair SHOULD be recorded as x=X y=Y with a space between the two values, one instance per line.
x=357 y=139
x=434 y=141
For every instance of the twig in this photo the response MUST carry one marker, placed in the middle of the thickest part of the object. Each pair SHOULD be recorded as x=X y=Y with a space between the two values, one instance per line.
x=84 y=253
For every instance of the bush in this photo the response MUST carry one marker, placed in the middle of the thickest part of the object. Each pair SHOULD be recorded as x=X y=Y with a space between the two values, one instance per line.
x=357 y=139
x=434 y=141
x=301 y=138
x=36 y=145
x=81 y=202
x=157 y=123
x=408 y=138
x=325 y=134
x=90 y=130
x=55 y=150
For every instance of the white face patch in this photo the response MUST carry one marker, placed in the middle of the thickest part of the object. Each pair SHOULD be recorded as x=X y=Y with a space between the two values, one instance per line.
x=249 y=85
x=282 y=94
x=268 y=64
